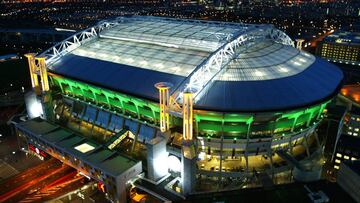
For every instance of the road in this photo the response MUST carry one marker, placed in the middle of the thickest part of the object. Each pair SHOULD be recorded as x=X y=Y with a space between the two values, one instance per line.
x=41 y=183
x=59 y=187
x=28 y=175
x=315 y=41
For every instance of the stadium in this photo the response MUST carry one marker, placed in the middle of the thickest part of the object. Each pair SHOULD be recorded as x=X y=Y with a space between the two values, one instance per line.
x=221 y=102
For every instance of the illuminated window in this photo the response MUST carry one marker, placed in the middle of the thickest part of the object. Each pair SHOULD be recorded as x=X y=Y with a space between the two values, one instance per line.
x=338 y=155
x=346 y=157
x=83 y=148
x=337 y=161
x=336 y=167
x=355 y=134
x=356 y=129
x=353 y=158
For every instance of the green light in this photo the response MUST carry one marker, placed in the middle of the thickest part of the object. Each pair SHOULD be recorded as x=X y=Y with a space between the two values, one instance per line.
x=110 y=98
x=232 y=124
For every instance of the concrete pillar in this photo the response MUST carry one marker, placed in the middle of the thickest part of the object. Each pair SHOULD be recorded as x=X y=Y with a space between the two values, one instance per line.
x=188 y=168
x=48 y=108
x=246 y=162
x=306 y=145
x=136 y=137
x=157 y=158
x=93 y=123
x=82 y=115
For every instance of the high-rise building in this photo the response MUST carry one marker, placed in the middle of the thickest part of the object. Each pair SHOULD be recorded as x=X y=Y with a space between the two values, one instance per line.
x=347 y=148
x=341 y=47
x=347 y=145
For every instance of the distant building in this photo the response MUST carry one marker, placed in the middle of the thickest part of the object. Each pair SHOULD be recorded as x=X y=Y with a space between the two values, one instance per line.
x=350 y=94
x=341 y=47
x=8 y=57
x=349 y=178
x=348 y=148
x=332 y=126
x=352 y=122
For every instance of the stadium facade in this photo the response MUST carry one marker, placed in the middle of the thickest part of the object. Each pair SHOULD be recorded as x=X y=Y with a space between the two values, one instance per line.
x=223 y=102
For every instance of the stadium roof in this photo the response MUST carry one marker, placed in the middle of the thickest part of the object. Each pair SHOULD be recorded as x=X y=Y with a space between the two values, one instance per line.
x=263 y=72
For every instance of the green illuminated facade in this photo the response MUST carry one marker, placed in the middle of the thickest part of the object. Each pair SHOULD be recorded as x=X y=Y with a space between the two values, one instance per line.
x=207 y=124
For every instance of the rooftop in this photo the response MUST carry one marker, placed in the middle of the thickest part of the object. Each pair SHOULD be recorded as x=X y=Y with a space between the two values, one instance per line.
x=344 y=37
x=351 y=92
x=151 y=50
x=78 y=146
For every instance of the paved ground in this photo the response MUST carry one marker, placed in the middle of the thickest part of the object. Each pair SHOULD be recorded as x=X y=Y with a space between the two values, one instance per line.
x=6 y=170
x=11 y=154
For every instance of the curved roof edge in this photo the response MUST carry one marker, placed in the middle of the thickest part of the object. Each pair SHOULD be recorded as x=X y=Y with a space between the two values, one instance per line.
x=253 y=106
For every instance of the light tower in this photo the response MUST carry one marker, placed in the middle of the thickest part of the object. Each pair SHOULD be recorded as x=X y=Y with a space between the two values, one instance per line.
x=163 y=88
x=156 y=148
x=37 y=67
x=188 y=153
x=187 y=116
x=299 y=43
x=32 y=70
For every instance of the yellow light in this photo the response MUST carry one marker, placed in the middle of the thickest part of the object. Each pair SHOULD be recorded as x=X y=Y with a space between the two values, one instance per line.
x=43 y=74
x=187 y=116
x=85 y=147
x=32 y=70
x=35 y=68
x=164 y=105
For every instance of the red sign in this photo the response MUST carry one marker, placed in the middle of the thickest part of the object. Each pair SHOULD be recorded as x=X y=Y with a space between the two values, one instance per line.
x=37 y=151
x=101 y=186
